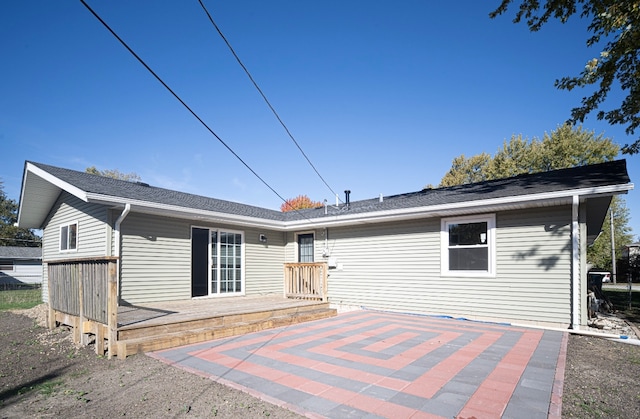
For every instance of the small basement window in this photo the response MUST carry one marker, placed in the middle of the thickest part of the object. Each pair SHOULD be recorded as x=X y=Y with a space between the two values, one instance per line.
x=69 y=237
x=468 y=246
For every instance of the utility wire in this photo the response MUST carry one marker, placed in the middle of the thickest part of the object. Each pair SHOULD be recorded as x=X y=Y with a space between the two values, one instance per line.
x=175 y=95
x=180 y=100
x=255 y=84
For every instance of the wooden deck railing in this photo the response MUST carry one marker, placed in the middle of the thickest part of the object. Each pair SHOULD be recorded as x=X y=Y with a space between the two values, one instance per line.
x=306 y=280
x=84 y=292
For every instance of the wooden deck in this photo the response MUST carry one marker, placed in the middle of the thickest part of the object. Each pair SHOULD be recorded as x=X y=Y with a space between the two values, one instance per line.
x=83 y=294
x=151 y=327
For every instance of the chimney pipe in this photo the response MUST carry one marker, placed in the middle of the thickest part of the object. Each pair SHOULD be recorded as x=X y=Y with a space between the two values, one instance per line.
x=346 y=197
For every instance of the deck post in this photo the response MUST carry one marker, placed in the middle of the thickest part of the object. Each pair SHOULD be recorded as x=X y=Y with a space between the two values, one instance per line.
x=84 y=339
x=112 y=308
x=74 y=272
x=51 y=315
x=325 y=280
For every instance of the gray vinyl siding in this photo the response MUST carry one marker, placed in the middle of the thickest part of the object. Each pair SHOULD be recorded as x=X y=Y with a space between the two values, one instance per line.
x=92 y=220
x=534 y=265
x=396 y=266
x=22 y=271
x=156 y=259
x=385 y=266
x=291 y=247
x=264 y=263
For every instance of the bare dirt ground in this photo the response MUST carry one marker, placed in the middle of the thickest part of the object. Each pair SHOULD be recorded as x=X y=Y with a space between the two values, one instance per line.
x=42 y=374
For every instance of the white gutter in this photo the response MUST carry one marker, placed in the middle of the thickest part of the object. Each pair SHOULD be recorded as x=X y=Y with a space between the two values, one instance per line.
x=117 y=252
x=491 y=204
x=575 y=262
x=148 y=207
x=536 y=200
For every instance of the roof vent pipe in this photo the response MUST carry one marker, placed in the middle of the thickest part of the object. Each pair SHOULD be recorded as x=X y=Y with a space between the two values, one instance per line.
x=346 y=197
x=381 y=198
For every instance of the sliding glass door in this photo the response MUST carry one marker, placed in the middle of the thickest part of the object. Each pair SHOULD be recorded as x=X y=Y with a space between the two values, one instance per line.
x=224 y=252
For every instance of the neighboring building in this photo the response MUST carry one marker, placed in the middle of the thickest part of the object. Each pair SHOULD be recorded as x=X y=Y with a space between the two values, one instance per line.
x=509 y=250
x=20 y=265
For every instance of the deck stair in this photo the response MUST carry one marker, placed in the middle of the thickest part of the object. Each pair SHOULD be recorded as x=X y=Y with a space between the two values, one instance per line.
x=166 y=331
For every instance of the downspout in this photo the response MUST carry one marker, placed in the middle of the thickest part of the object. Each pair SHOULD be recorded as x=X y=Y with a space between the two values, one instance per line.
x=575 y=263
x=326 y=242
x=118 y=244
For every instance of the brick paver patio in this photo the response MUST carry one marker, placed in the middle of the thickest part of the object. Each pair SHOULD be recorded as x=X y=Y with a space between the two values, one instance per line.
x=383 y=365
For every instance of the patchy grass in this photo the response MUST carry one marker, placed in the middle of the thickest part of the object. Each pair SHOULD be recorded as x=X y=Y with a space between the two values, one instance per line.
x=625 y=302
x=47 y=388
x=23 y=297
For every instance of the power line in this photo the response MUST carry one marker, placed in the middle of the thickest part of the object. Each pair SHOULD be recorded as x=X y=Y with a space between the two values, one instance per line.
x=255 y=84
x=180 y=100
x=175 y=95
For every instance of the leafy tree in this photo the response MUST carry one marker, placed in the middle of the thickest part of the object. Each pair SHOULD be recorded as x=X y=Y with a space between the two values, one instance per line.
x=467 y=170
x=115 y=174
x=298 y=203
x=567 y=146
x=599 y=254
x=616 y=22
x=10 y=235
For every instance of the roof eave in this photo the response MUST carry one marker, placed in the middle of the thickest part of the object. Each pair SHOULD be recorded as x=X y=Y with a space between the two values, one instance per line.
x=463 y=208
x=45 y=188
x=33 y=209
x=194 y=214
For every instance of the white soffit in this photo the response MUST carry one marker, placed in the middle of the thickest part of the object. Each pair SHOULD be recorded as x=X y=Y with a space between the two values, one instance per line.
x=43 y=189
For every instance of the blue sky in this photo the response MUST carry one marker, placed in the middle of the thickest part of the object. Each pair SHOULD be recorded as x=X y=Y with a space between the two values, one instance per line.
x=380 y=95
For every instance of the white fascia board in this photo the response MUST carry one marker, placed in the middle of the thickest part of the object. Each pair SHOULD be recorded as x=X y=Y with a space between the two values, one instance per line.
x=477 y=206
x=22 y=191
x=186 y=212
x=77 y=192
x=31 y=211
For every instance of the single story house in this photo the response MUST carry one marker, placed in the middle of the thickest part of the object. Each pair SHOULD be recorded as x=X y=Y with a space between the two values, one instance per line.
x=20 y=265
x=509 y=250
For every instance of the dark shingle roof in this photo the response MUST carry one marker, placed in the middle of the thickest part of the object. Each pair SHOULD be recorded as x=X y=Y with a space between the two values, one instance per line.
x=141 y=191
x=598 y=175
x=20 y=253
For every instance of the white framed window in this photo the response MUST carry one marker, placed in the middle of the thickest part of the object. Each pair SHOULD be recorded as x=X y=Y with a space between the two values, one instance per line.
x=227 y=262
x=305 y=247
x=468 y=246
x=69 y=237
